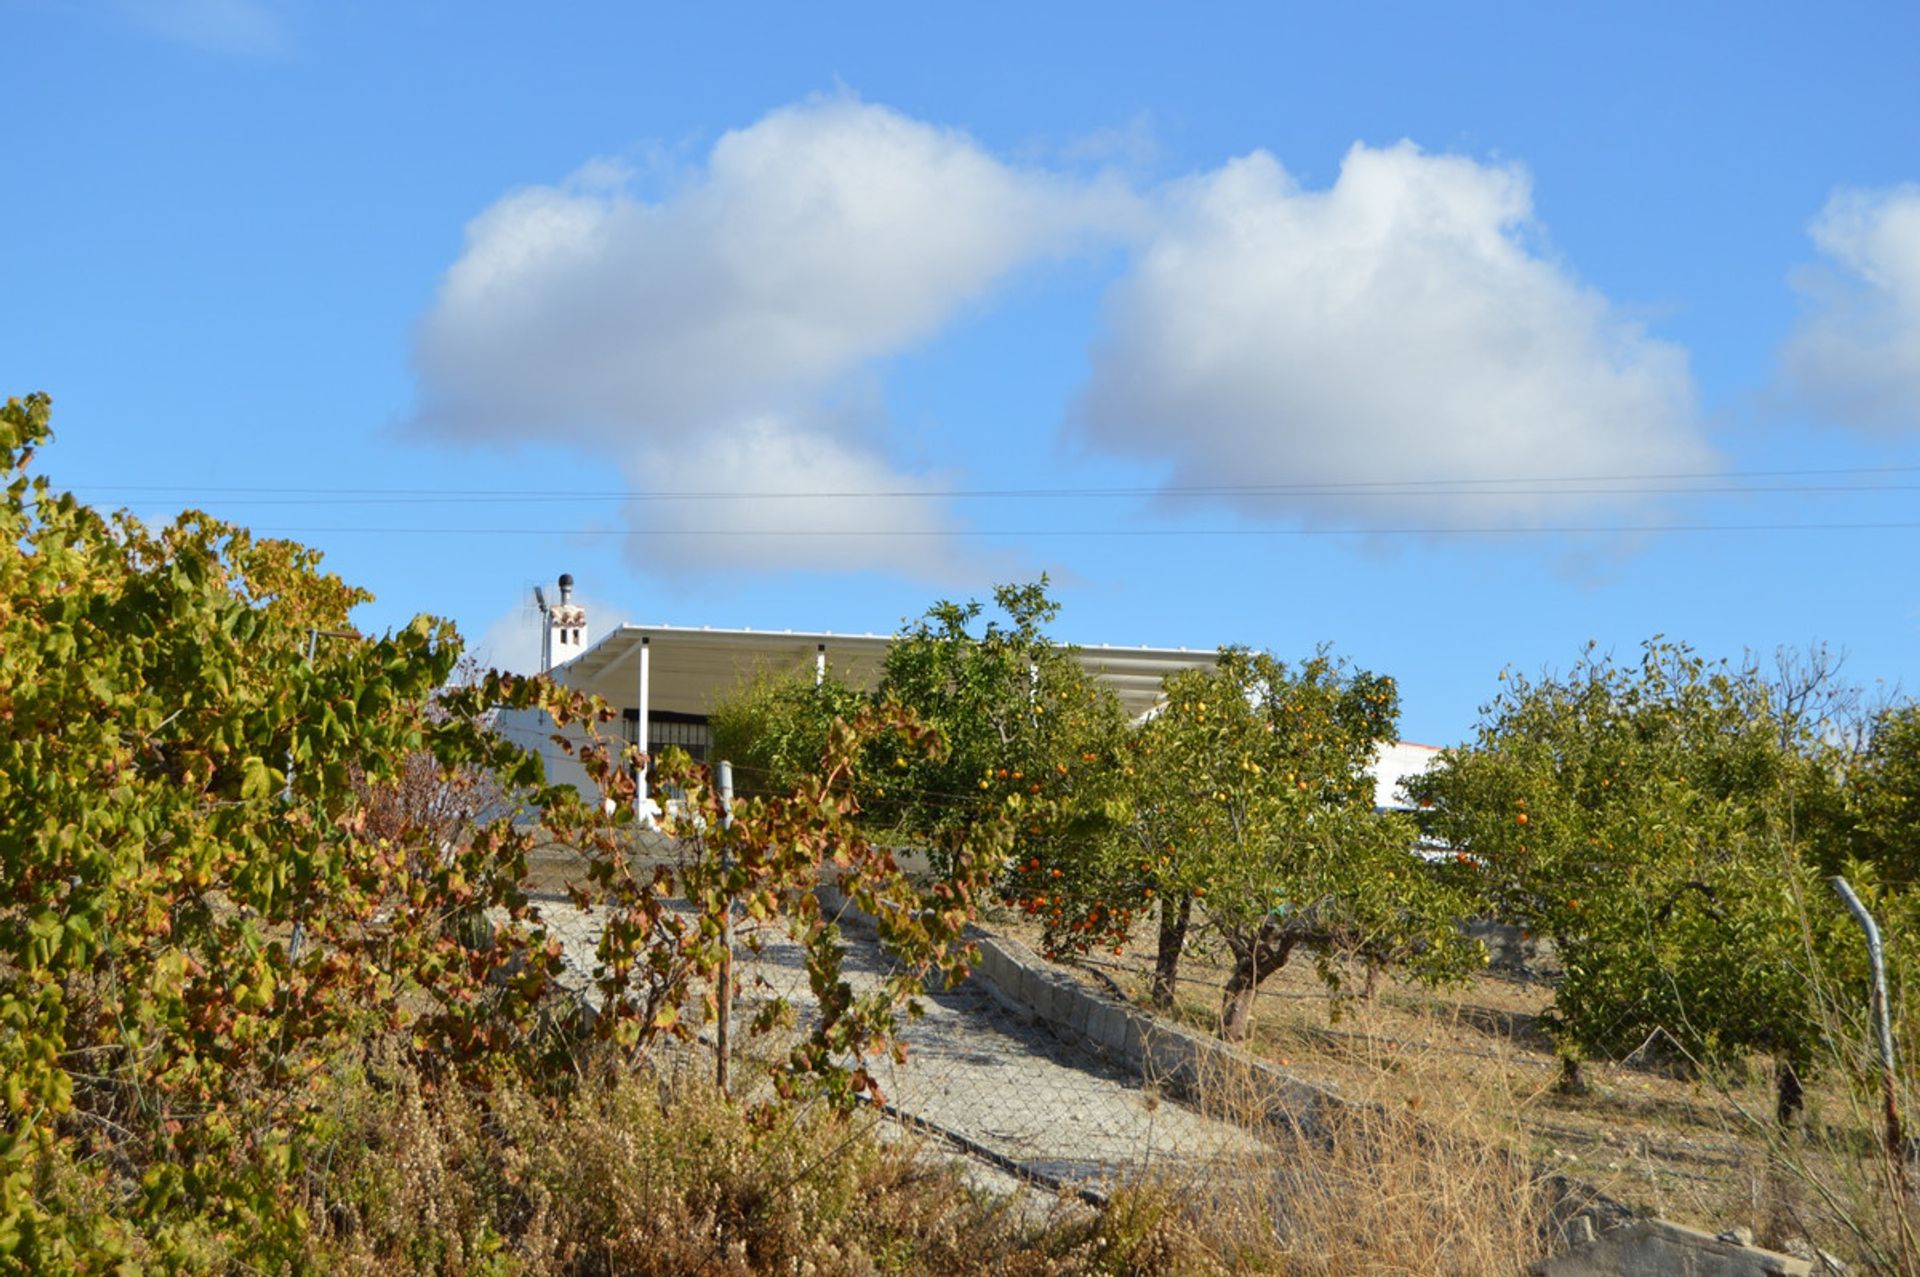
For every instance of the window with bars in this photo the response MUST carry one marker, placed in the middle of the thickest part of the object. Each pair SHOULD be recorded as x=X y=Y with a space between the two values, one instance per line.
x=667 y=727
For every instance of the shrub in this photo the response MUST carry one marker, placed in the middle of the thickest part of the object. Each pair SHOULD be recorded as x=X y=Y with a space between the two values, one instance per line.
x=240 y=840
x=1643 y=816
x=774 y=725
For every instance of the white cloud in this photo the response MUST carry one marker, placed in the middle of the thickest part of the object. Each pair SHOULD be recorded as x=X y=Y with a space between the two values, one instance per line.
x=695 y=338
x=847 y=524
x=248 y=28
x=1855 y=355
x=1399 y=326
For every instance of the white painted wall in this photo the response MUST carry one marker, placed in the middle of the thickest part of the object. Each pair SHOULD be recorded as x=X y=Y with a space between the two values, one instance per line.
x=1397 y=763
x=533 y=730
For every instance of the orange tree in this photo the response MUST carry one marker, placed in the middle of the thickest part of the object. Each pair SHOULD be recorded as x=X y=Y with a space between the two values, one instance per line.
x=1884 y=804
x=1035 y=757
x=999 y=694
x=212 y=896
x=774 y=726
x=1004 y=698
x=1036 y=746
x=1272 y=825
x=1244 y=807
x=1643 y=816
x=1081 y=834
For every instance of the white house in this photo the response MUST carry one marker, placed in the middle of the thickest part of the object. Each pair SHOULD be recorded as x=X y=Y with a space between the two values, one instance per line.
x=665 y=680
x=1397 y=764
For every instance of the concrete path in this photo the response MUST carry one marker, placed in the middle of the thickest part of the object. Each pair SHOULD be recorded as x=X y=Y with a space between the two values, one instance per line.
x=978 y=1070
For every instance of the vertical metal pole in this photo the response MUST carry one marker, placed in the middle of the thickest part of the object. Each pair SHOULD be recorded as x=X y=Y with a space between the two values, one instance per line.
x=1883 y=1026
x=820 y=665
x=723 y=1030
x=640 y=739
x=546 y=629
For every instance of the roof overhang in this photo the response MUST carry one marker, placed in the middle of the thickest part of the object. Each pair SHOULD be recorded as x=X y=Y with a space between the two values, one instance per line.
x=689 y=669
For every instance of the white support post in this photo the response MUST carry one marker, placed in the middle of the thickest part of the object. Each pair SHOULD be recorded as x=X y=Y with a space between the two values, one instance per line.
x=640 y=728
x=820 y=665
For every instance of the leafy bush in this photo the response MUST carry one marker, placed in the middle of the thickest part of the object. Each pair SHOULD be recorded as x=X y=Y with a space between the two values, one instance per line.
x=774 y=726
x=240 y=841
x=1885 y=793
x=194 y=919
x=1643 y=816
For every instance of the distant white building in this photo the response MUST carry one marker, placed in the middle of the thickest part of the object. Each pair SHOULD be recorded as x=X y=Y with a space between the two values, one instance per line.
x=1397 y=764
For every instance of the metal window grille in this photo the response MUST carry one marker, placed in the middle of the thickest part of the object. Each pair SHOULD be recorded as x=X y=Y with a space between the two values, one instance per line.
x=669 y=728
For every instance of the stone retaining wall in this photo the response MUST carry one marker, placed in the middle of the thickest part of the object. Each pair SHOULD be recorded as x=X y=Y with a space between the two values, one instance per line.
x=1169 y=1055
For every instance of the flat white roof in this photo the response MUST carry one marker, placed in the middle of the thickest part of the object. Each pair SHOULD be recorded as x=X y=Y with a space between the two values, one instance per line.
x=690 y=667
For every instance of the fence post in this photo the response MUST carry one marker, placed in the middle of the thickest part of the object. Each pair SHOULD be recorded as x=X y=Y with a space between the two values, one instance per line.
x=723 y=776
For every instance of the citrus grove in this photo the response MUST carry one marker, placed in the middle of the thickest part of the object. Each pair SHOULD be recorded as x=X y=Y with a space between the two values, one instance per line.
x=251 y=856
x=1667 y=823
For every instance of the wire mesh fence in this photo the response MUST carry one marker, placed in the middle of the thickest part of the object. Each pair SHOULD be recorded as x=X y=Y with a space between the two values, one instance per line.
x=1026 y=1101
x=1002 y=1080
x=988 y=1077
x=978 y=1074
x=1014 y=1092
x=999 y=1082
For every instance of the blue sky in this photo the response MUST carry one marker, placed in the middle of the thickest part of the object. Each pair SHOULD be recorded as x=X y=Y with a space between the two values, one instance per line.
x=1250 y=324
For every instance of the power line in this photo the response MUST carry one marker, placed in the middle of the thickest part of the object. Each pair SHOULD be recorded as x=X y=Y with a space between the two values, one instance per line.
x=784 y=533
x=1268 y=491
x=1497 y=486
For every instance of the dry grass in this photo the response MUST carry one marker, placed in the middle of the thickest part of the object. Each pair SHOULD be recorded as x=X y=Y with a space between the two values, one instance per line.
x=1367 y=1187
x=1437 y=1166
x=1694 y=1146
x=640 y=1174
x=1644 y=1131
x=644 y=1174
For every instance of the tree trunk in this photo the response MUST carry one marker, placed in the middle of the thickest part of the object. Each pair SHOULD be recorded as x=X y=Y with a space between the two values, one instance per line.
x=1251 y=964
x=1788 y=1095
x=1173 y=941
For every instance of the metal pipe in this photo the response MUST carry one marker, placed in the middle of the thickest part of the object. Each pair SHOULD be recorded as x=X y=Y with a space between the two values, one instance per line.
x=1883 y=1025
x=546 y=629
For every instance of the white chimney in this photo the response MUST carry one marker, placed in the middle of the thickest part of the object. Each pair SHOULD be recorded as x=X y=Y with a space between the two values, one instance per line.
x=565 y=635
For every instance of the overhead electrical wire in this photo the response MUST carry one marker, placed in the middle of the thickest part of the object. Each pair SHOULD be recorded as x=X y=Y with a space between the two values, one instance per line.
x=1749 y=483
x=1540 y=485
x=1277 y=492
x=1360 y=530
